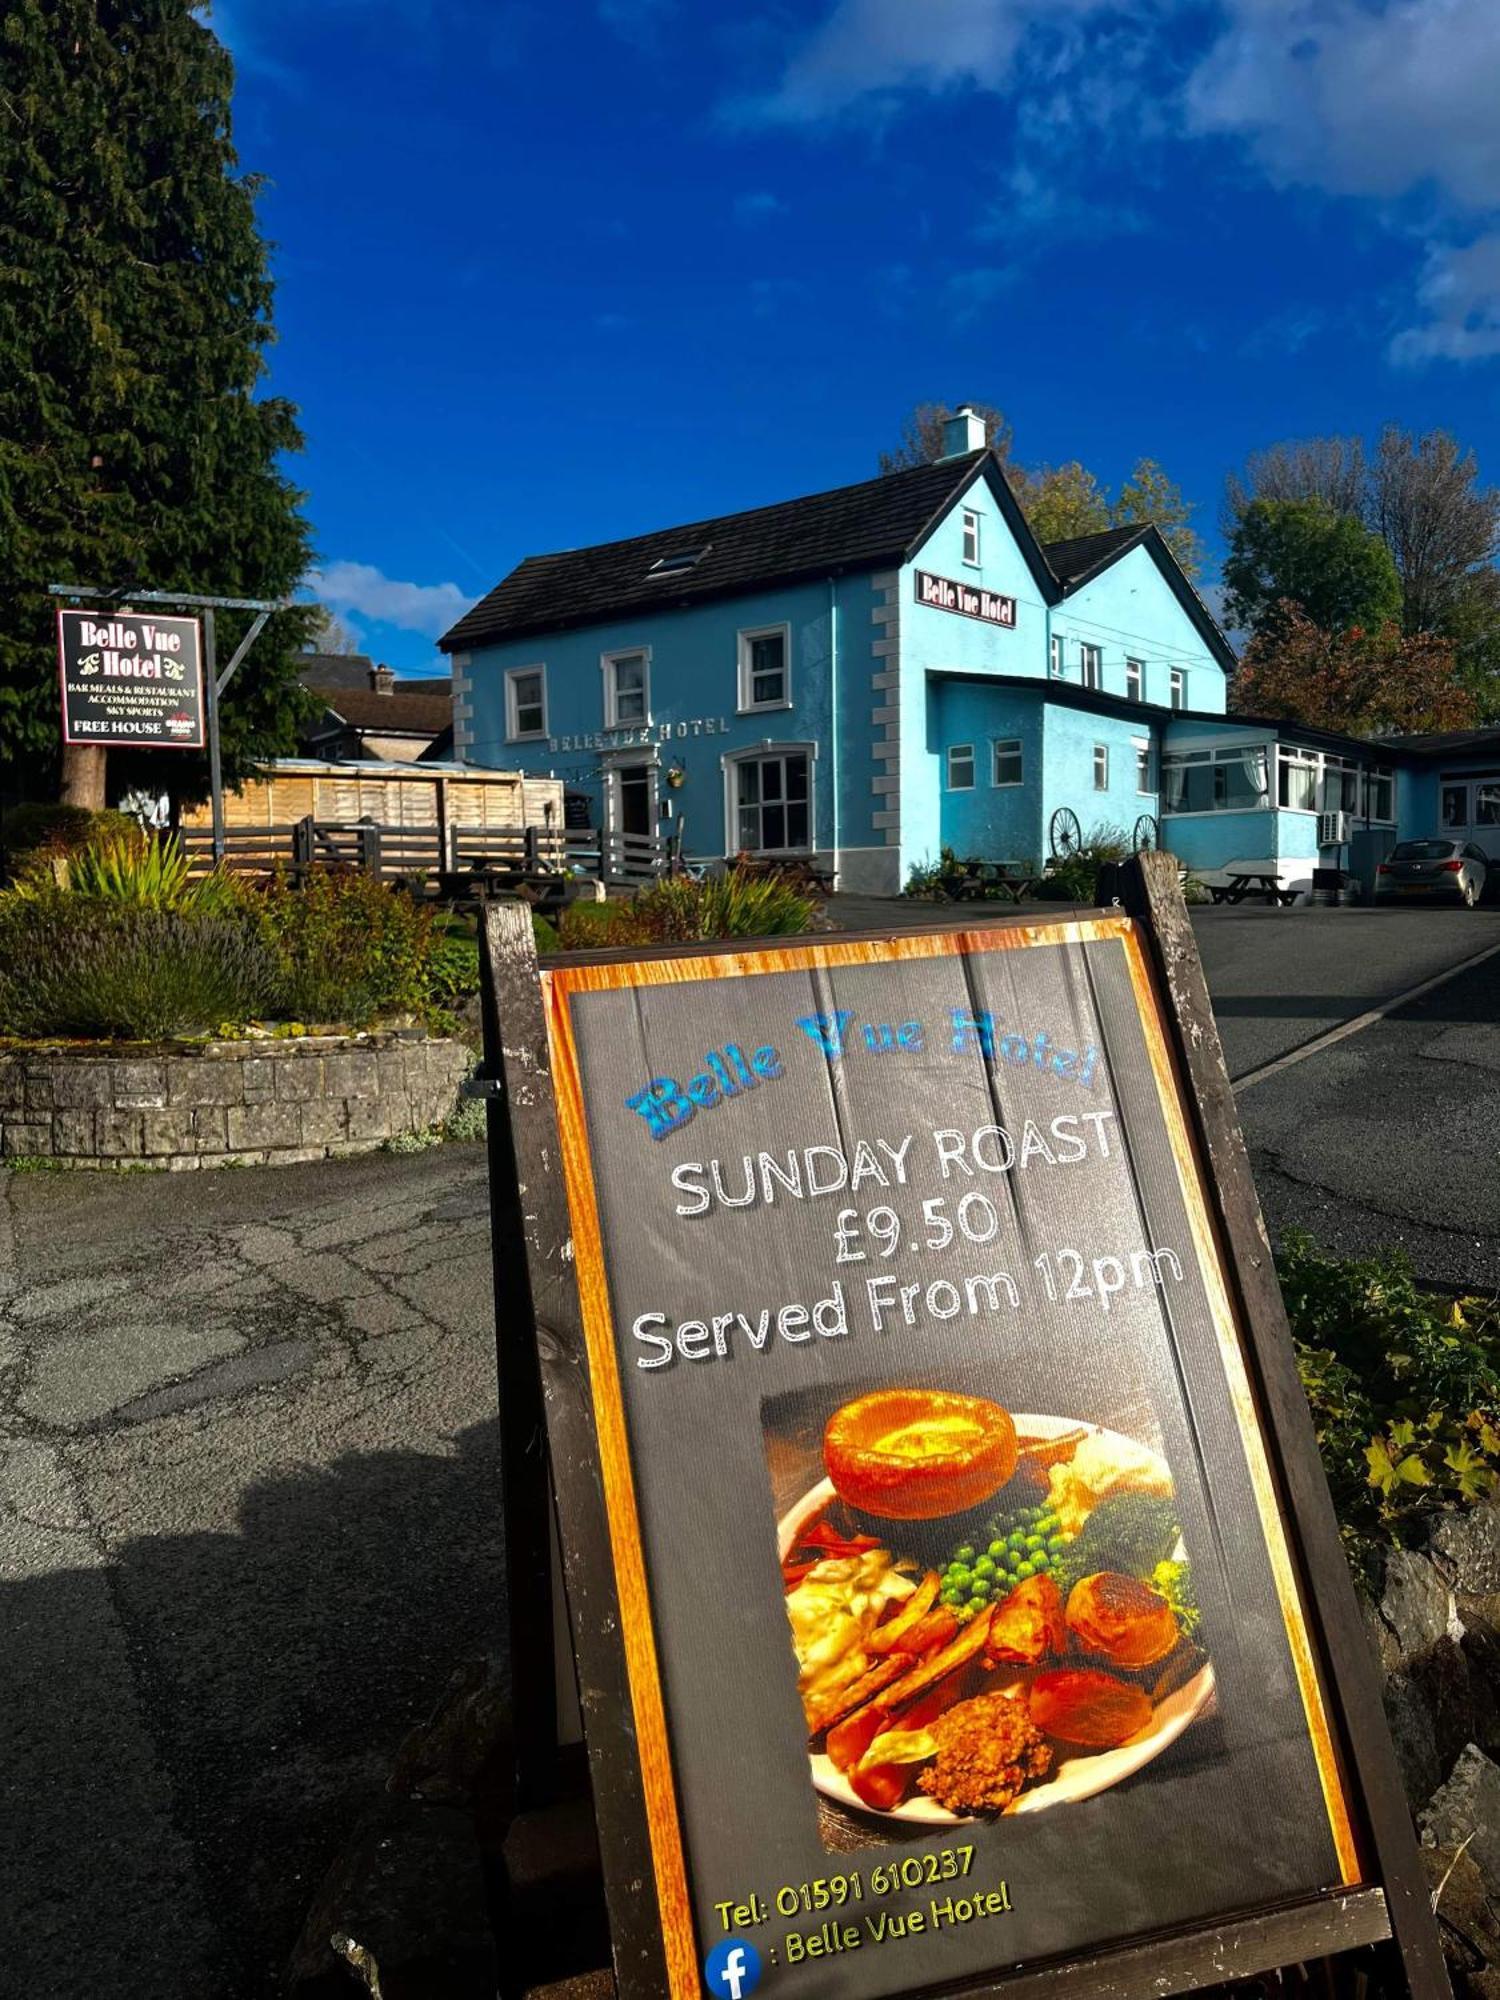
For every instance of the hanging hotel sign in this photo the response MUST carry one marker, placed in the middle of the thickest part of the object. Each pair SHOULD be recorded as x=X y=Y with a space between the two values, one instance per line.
x=961 y=1623
x=968 y=600
x=131 y=679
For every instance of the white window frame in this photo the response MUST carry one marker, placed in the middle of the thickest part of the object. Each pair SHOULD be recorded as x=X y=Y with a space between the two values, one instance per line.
x=757 y=753
x=1011 y=746
x=1223 y=755
x=1177 y=688
x=607 y=664
x=1056 y=665
x=1101 y=764
x=1091 y=665
x=952 y=750
x=1135 y=680
x=1141 y=745
x=745 y=688
x=513 y=733
x=971 y=534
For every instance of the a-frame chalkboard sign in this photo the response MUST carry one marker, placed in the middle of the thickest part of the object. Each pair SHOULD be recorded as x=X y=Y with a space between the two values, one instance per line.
x=955 y=1594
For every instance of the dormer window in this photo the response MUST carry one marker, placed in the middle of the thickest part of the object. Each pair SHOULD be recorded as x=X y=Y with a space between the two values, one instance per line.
x=679 y=562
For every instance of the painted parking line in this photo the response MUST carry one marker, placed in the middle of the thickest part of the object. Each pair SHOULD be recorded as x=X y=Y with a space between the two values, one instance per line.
x=1361 y=1021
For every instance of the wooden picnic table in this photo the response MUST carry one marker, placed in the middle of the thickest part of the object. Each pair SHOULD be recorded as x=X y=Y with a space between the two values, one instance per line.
x=1245 y=882
x=979 y=878
x=546 y=893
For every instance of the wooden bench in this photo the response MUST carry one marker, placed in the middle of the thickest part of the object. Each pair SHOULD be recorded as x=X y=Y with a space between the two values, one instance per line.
x=1245 y=882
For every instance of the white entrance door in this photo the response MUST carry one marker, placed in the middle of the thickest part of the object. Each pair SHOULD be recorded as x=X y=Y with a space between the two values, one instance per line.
x=1469 y=808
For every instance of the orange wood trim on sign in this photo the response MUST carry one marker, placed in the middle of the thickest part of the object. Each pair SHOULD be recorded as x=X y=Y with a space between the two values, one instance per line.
x=559 y=984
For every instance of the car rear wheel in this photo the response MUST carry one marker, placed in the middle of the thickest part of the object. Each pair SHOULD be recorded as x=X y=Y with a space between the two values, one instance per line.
x=1470 y=894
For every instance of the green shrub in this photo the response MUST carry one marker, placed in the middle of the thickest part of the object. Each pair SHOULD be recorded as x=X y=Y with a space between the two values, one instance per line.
x=1075 y=879
x=452 y=971
x=545 y=932
x=348 y=947
x=683 y=910
x=71 y=966
x=1404 y=1389
x=135 y=871
x=49 y=828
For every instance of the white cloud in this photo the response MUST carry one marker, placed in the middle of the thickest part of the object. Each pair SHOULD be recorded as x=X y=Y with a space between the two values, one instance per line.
x=1353 y=99
x=876 y=46
x=366 y=591
x=758 y=205
x=1460 y=296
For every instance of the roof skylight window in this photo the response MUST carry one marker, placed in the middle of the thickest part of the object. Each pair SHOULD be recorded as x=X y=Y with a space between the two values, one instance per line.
x=679 y=562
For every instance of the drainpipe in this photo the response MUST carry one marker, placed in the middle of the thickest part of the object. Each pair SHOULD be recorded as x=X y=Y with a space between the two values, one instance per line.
x=833 y=713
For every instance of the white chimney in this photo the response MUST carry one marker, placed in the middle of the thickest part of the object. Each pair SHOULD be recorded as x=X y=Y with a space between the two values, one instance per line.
x=963 y=431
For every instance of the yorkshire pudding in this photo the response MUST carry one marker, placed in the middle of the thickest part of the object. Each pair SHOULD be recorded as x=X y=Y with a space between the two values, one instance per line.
x=918 y=1454
x=1122 y=1618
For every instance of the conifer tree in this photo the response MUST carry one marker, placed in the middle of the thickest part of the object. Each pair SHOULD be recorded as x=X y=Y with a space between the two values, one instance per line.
x=135 y=304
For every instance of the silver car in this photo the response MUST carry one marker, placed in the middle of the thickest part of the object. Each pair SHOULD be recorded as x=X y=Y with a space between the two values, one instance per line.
x=1454 y=869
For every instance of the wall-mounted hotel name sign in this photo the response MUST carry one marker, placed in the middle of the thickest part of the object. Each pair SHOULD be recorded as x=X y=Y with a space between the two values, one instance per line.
x=966 y=599
x=642 y=734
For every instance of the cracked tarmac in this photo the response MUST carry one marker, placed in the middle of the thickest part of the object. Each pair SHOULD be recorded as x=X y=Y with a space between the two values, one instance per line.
x=248 y=1524
x=249 y=1514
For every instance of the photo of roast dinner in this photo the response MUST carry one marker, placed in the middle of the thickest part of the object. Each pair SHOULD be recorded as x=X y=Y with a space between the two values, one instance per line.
x=990 y=1613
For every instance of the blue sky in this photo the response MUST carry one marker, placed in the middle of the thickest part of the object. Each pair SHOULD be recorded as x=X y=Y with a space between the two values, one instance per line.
x=554 y=273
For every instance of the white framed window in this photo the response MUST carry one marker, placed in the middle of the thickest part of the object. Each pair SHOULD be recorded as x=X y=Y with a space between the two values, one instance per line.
x=1101 y=767
x=1007 y=768
x=1055 y=655
x=627 y=687
x=525 y=703
x=769 y=800
x=971 y=537
x=1179 y=687
x=1297 y=779
x=1201 y=781
x=1091 y=659
x=1142 y=749
x=960 y=767
x=1133 y=680
x=765 y=677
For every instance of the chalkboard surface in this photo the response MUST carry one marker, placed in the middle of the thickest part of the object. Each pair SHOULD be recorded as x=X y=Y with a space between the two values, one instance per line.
x=961 y=1624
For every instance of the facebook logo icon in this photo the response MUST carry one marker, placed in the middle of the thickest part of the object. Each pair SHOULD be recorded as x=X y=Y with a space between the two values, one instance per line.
x=732 y=1968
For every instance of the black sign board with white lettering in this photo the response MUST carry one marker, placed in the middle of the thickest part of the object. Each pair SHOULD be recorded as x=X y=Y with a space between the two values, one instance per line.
x=956 y=1596
x=967 y=600
x=131 y=679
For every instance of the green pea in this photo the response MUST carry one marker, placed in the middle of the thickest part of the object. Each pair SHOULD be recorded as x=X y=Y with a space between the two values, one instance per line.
x=1035 y=1542
x=964 y=1554
x=1049 y=1524
x=1025 y=1569
x=980 y=1588
x=1041 y=1560
x=952 y=1597
x=997 y=1551
x=1017 y=1538
x=1056 y=1543
x=984 y=1567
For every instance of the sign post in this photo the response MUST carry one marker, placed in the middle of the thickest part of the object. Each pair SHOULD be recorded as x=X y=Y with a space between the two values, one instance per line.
x=954 y=1588
x=136 y=680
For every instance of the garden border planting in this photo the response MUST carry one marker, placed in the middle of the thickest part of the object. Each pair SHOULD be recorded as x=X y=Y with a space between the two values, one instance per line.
x=232 y=1103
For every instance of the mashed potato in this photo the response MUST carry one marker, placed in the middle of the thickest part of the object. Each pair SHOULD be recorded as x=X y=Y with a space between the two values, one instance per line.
x=1101 y=1467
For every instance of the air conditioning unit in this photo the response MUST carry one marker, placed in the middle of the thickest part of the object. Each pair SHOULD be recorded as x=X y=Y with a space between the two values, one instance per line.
x=1333 y=829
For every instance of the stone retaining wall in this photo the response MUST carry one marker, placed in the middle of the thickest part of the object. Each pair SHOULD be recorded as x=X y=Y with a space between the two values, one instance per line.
x=226 y=1103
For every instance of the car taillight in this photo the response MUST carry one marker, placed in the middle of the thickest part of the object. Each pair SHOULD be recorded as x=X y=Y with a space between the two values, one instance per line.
x=1450 y=867
x=1385 y=868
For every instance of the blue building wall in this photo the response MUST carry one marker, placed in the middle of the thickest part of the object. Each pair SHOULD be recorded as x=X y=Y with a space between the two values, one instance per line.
x=991 y=822
x=1068 y=780
x=1130 y=611
x=934 y=638
x=694 y=705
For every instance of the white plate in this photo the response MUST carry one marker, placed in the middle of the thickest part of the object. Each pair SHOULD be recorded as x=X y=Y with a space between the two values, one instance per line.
x=1075 y=1777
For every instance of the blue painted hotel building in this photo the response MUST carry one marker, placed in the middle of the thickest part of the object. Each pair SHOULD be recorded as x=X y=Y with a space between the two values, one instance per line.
x=865 y=676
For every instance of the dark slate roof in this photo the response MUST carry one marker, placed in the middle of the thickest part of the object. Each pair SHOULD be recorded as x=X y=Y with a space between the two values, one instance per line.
x=1447 y=743
x=852 y=528
x=334 y=670
x=1076 y=559
x=395 y=714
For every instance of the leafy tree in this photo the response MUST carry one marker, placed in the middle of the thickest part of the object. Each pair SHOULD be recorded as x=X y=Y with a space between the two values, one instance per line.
x=134 y=315
x=1363 y=681
x=1301 y=552
x=922 y=435
x=1061 y=501
x=1149 y=495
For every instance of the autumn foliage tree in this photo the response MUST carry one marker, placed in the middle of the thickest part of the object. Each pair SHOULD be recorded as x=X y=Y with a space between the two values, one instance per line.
x=1363 y=681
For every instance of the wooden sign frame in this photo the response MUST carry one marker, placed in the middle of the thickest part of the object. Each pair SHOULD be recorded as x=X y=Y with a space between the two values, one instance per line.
x=562 y=1416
